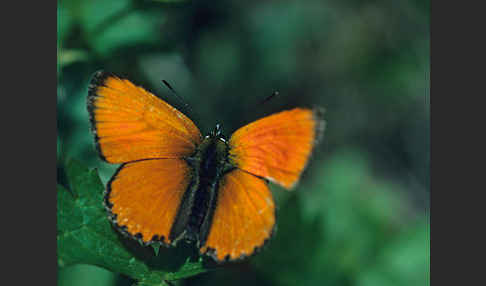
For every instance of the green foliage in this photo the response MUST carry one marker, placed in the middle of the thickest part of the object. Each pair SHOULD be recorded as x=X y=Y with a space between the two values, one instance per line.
x=352 y=219
x=85 y=236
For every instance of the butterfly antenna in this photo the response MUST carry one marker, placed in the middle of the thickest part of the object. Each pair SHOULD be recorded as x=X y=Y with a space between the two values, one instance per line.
x=187 y=106
x=268 y=98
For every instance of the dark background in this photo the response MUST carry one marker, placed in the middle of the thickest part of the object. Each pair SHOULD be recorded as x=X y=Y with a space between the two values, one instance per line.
x=360 y=213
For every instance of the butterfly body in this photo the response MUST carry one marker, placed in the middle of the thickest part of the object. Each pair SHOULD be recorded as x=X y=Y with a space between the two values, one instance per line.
x=175 y=184
x=209 y=163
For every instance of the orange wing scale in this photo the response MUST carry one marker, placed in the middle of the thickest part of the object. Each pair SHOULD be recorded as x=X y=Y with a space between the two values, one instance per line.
x=131 y=123
x=144 y=196
x=278 y=146
x=243 y=219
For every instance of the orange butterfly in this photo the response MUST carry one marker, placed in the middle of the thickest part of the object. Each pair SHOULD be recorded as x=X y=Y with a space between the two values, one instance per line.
x=174 y=184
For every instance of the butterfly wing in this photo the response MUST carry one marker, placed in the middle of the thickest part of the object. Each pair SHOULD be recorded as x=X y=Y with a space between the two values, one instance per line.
x=143 y=197
x=243 y=218
x=134 y=127
x=132 y=124
x=277 y=147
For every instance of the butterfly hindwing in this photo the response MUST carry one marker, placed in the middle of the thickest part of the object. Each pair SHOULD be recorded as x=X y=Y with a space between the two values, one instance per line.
x=143 y=197
x=243 y=218
x=277 y=147
x=132 y=124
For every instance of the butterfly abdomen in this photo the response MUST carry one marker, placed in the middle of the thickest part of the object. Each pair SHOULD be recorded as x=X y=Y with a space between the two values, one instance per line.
x=209 y=163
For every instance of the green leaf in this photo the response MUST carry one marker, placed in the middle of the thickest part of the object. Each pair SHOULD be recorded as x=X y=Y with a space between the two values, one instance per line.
x=86 y=236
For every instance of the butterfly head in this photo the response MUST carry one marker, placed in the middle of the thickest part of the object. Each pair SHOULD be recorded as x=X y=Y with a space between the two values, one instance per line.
x=217 y=131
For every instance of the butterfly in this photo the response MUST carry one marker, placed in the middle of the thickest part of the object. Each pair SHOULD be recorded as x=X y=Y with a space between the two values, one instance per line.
x=175 y=184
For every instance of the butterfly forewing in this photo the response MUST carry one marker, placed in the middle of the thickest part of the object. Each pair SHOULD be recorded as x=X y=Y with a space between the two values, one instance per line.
x=277 y=147
x=132 y=124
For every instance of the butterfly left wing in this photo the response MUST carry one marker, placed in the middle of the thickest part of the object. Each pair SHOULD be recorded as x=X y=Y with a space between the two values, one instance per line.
x=243 y=218
x=132 y=124
x=143 y=197
x=277 y=147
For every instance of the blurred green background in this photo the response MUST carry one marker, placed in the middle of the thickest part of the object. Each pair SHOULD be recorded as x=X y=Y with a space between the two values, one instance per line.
x=360 y=215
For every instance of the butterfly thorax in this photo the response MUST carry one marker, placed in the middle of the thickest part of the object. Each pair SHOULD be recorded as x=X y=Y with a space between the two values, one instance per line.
x=209 y=163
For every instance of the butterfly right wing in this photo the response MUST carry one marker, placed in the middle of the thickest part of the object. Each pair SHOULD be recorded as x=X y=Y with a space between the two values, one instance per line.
x=132 y=124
